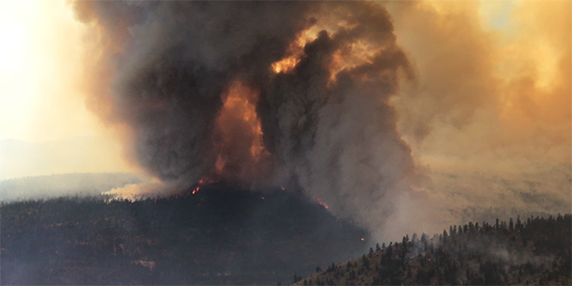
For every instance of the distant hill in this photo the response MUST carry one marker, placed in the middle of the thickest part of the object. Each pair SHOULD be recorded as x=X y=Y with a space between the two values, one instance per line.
x=531 y=252
x=86 y=154
x=219 y=235
x=82 y=184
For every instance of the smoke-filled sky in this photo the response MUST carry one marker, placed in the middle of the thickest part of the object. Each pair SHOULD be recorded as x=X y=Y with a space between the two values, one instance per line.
x=400 y=115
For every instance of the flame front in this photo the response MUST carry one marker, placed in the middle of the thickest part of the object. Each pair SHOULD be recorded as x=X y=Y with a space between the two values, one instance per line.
x=349 y=56
x=321 y=202
x=239 y=136
x=285 y=65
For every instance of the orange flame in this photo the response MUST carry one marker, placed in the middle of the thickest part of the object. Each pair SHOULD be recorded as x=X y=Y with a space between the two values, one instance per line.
x=285 y=64
x=295 y=52
x=240 y=146
x=320 y=202
x=349 y=56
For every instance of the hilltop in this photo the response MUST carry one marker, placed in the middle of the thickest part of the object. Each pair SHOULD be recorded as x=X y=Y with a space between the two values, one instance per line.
x=531 y=252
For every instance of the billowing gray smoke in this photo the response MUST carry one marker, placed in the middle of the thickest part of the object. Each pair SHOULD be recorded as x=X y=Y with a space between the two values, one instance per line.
x=326 y=123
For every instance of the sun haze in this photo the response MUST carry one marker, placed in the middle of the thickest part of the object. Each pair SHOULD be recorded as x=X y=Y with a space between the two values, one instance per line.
x=41 y=73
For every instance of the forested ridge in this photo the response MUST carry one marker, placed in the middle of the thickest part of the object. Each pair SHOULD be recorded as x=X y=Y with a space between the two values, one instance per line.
x=226 y=235
x=220 y=235
x=533 y=251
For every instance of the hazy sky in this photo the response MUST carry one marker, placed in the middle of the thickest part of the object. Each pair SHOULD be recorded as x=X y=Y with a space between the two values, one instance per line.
x=40 y=72
x=41 y=77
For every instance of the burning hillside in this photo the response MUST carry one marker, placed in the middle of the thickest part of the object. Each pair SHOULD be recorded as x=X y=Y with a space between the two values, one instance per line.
x=265 y=125
x=261 y=94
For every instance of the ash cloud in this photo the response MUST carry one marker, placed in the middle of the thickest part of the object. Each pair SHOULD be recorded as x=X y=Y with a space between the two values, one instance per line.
x=327 y=123
x=489 y=112
x=175 y=62
x=340 y=138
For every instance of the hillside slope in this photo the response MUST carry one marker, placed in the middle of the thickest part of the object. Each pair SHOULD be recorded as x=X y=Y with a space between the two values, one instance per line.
x=534 y=252
x=218 y=235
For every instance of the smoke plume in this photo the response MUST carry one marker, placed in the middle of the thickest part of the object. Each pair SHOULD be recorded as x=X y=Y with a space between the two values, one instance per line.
x=489 y=112
x=258 y=93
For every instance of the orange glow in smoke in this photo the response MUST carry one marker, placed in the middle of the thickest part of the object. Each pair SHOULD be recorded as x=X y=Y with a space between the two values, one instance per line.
x=295 y=51
x=285 y=65
x=349 y=56
x=240 y=146
x=219 y=165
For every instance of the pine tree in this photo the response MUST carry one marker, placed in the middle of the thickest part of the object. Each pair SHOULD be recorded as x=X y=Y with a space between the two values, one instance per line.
x=365 y=262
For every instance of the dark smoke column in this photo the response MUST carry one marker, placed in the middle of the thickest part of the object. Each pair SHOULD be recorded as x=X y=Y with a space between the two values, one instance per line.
x=326 y=120
x=329 y=121
x=175 y=61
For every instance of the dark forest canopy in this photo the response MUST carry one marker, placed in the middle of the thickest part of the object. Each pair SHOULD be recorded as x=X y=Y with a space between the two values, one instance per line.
x=531 y=251
x=219 y=235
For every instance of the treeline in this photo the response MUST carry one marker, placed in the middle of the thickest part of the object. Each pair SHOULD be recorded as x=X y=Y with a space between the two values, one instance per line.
x=220 y=235
x=534 y=251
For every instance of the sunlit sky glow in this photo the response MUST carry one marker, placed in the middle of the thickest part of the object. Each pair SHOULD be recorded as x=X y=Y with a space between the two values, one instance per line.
x=40 y=66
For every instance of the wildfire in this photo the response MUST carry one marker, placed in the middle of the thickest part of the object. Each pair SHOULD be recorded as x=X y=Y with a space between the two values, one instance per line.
x=240 y=146
x=285 y=65
x=295 y=51
x=202 y=182
x=349 y=56
x=320 y=202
